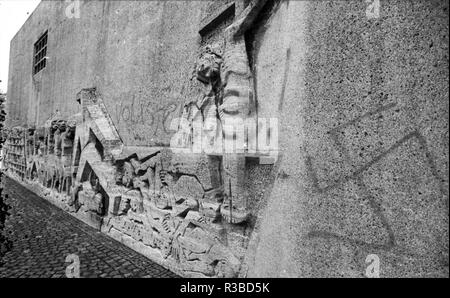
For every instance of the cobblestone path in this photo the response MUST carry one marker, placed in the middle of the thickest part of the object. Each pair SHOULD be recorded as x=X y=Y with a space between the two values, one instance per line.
x=43 y=236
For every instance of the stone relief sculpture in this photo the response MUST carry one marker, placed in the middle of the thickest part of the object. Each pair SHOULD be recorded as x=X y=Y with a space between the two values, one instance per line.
x=227 y=107
x=188 y=209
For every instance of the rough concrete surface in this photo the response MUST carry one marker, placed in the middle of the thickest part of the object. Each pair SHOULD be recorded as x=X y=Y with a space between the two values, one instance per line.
x=361 y=104
x=134 y=52
x=364 y=138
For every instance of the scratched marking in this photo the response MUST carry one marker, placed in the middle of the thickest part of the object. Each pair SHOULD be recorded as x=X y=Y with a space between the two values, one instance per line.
x=356 y=176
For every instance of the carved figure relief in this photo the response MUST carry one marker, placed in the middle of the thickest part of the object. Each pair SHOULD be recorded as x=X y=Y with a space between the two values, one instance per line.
x=189 y=208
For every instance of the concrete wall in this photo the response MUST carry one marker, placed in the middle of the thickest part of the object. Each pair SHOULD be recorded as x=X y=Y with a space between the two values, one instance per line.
x=139 y=55
x=363 y=108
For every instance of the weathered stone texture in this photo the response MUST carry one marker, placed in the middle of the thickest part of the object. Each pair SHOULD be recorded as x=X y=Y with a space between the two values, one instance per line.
x=364 y=137
x=361 y=110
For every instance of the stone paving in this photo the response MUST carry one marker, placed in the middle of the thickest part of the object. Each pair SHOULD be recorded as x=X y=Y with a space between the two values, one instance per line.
x=43 y=236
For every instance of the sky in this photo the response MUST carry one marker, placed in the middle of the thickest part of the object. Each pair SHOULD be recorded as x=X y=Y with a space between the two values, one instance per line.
x=13 y=13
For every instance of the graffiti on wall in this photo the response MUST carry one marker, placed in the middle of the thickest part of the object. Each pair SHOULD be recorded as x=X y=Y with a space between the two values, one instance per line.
x=359 y=167
x=144 y=119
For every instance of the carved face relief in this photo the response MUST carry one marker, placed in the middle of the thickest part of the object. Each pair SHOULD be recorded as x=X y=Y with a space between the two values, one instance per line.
x=69 y=133
x=208 y=65
x=58 y=125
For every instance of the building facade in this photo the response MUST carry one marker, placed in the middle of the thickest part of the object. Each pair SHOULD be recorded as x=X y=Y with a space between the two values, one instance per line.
x=242 y=138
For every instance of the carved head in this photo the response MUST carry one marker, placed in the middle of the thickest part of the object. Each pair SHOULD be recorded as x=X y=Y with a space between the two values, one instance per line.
x=58 y=126
x=70 y=130
x=208 y=64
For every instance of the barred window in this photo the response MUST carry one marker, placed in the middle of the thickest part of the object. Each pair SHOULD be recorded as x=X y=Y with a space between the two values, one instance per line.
x=40 y=52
